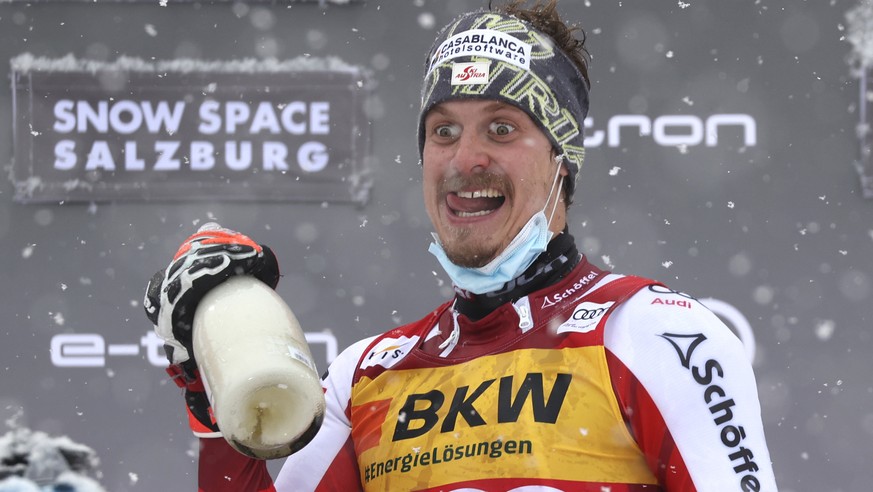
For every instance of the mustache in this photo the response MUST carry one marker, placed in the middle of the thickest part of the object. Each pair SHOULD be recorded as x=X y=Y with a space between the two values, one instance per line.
x=483 y=180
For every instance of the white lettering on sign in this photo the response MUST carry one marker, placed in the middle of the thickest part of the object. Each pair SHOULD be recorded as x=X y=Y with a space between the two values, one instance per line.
x=312 y=157
x=91 y=349
x=295 y=118
x=127 y=116
x=673 y=130
x=123 y=116
x=197 y=155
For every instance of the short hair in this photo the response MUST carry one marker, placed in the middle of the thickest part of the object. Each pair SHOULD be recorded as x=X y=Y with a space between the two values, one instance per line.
x=544 y=16
x=569 y=38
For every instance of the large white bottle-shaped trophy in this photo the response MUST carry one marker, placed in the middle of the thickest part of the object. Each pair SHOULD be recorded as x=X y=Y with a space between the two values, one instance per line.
x=259 y=375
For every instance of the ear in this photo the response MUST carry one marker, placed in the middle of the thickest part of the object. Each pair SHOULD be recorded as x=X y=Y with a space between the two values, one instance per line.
x=559 y=158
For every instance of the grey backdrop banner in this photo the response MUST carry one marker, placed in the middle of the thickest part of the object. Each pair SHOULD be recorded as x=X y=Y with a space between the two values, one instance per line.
x=189 y=130
x=722 y=159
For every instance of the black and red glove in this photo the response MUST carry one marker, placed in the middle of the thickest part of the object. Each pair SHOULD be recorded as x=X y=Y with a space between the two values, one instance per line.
x=204 y=260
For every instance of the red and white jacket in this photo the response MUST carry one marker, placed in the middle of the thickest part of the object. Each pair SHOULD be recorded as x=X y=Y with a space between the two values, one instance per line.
x=598 y=382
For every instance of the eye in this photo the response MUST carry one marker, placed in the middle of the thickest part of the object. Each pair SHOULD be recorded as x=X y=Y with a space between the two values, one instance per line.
x=447 y=131
x=501 y=129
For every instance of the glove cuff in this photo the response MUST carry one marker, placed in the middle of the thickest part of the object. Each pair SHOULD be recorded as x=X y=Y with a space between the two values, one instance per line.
x=200 y=417
x=186 y=378
x=198 y=428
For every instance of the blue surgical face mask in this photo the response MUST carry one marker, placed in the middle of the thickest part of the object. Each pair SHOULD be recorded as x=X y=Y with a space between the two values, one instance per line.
x=518 y=255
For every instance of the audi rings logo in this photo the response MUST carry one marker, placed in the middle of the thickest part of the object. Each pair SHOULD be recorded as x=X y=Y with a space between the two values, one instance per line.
x=588 y=314
x=585 y=317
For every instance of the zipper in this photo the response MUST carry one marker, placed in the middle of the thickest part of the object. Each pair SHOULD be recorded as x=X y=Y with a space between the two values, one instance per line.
x=525 y=319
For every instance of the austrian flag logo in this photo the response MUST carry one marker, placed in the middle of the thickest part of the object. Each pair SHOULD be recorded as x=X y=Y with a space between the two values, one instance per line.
x=470 y=73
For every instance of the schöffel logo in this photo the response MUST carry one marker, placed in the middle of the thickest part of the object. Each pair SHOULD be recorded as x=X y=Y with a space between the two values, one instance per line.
x=470 y=73
x=720 y=404
x=576 y=288
x=585 y=317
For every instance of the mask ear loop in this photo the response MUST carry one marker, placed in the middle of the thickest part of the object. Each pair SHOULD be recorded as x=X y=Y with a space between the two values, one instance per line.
x=559 y=159
x=450 y=342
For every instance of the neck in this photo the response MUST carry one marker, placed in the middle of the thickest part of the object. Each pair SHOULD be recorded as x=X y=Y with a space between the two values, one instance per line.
x=560 y=258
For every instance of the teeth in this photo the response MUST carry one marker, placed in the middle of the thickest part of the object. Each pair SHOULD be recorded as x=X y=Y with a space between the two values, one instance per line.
x=487 y=193
x=474 y=214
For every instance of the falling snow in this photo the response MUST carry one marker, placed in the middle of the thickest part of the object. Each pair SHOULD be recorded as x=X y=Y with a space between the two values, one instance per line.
x=775 y=228
x=824 y=329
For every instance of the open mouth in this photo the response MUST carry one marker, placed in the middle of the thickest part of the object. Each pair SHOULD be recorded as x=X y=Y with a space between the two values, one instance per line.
x=474 y=203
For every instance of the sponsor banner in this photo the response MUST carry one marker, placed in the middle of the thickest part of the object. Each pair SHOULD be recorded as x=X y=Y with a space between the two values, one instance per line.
x=489 y=418
x=187 y=130
x=483 y=42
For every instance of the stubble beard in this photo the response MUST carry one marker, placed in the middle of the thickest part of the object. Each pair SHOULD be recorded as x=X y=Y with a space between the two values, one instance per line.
x=465 y=251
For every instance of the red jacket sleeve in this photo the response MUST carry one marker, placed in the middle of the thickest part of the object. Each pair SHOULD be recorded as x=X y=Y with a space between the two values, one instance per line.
x=648 y=428
x=223 y=469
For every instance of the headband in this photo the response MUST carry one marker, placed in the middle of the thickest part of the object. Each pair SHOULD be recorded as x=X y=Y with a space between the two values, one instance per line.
x=489 y=55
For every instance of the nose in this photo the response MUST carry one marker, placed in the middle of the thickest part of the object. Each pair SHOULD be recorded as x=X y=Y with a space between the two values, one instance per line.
x=470 y=155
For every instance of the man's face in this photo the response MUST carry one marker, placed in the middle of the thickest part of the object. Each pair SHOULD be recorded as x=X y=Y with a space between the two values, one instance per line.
x=487 y=170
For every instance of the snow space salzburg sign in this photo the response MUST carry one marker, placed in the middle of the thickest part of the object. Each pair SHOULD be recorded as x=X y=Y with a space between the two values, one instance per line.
x=189 y=129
